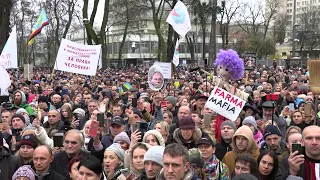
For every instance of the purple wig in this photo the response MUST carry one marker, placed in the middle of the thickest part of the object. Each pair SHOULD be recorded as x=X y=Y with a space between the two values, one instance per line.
x=230 y=59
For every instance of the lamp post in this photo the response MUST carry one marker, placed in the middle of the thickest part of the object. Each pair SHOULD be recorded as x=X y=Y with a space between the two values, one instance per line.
x=85 y=21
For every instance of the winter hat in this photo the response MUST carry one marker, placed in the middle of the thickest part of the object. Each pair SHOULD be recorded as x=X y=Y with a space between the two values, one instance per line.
x=122 y=137
x=172 y=100
x=23 y=96
x=155 y=154
x=187 y=123
x=80 y=111
x=195 y=158
x=271 y=129
x=156 y=134
x=24 y=171
x=18 y=116
x=21 y=110
x=250 y=120
x=137 y=112
x=43 y=99
x=116 y=148
x=244 y=177
x=229 y=123
x=30 y=140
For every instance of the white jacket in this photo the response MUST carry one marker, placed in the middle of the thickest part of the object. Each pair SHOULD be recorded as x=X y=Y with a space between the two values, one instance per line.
x=43 y=138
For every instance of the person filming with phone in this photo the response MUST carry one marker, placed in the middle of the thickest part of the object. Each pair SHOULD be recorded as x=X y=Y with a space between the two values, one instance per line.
x=303 y=164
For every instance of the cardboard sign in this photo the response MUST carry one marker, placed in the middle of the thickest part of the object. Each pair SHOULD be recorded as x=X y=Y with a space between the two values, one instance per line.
x=166 y=69
x=77 y=58
x=225 y=103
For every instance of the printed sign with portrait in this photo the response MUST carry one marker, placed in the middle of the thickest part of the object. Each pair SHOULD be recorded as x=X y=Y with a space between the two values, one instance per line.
x=155 y=78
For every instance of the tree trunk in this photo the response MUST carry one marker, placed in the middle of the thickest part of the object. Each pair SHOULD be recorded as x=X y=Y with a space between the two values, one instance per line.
x=5 y=9
x=124 y=36
x=190 y=43
x=70 y=16
x=57 y=27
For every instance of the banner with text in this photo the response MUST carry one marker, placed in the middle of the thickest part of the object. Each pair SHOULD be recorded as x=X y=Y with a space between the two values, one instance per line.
x=225 y=103
x=9 y=57
x=77 y=58
x=166 y=69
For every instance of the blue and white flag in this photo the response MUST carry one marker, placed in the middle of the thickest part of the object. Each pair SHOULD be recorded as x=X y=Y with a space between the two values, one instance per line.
x=179 y=19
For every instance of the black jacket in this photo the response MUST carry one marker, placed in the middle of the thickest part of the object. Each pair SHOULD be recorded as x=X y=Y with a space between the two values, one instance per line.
x=222 y=149
x=52 y=175
x=61 y=161
x=106 y=141
x=8 y=163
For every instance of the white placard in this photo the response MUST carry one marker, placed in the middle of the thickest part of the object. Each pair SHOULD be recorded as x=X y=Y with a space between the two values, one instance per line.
x=77 y=58
x=9 y=57
x=166 y=69
x=179 y=19
x=225 y=103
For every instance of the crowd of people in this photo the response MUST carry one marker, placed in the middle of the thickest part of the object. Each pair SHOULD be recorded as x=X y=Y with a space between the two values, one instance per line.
x=52 y=128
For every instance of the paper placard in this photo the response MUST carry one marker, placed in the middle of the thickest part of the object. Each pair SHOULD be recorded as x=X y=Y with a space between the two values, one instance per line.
x=166 y=69
x=9 y=57
x=77 y=58
x=225 y=103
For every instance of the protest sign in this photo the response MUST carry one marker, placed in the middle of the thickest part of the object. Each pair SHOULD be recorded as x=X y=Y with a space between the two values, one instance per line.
x=179 y=19
x=77 y=58
x=166 y=69
x=225 y=103
x=9 y=57
x=155 y=77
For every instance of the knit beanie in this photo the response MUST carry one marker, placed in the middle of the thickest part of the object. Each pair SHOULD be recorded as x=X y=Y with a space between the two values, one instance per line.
x=187 y=122
x=155 y=154
x=24 y=171
x=271 y=129
x=156 y=134
x=21 y=110
x=195 y=158
x=250 y=120
x=18 y=116
x=172 y=100
x=80 y=111
x=122 y=137
x=116 y=148
x=29 y=140
x=229 y=123
x=137 y=112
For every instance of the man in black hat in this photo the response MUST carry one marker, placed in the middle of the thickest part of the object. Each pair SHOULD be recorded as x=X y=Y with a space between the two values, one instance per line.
x=216 y=168
x=268 y=113
x=201 y=101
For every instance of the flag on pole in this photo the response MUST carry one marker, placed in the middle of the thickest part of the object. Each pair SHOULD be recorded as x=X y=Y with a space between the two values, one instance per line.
x=9 y=57
x=179 y=19
x=175 y=59
x=5 y=82
x=41 y=22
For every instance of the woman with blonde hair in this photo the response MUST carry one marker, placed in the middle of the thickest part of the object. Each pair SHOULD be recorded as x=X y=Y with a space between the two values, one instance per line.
x=163 y=128
x=85 y=131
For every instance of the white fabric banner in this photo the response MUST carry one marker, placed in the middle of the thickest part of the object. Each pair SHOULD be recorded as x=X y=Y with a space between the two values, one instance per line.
x=179 y=19
x=225 y=103
x=9 y=57
x=175 y=59
x=77 y=58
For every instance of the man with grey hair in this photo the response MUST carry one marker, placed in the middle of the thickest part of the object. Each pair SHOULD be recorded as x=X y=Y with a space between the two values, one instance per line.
x=155 y=77
x=72 y=143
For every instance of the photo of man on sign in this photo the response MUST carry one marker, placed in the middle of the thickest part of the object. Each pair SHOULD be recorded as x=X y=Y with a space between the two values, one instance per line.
x=155 y=78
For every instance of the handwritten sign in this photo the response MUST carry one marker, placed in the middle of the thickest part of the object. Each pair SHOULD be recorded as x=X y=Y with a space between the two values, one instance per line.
x=78 y=58
x=225 y=103
x=9 y=57
x=166 y=69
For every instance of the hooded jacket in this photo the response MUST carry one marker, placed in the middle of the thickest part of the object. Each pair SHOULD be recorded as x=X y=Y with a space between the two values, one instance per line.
x=24 y=104
x=177 y=138
x=8 y=163
x=156 y=134
x=222 y=148
x=252 y=148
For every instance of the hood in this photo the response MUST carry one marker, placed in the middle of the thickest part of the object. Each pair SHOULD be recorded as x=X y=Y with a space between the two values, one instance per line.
x=4 y=152
x=156 y=134
x=247 y=133
x=133 y=170
x=23 y=97
x=196 y=136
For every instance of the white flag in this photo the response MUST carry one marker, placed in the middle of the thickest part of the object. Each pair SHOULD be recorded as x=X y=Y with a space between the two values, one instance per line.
x=9 y=57
x=5 y=81
x=175 y=59
x=100 y=61
x=179 y=19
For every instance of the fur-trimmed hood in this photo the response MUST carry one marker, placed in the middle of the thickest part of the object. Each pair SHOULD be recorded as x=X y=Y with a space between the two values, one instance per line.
x=196 y=136
x=247 y=133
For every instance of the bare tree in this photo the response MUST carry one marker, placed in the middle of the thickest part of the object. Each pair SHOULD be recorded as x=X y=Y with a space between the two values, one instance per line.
x=270 y=15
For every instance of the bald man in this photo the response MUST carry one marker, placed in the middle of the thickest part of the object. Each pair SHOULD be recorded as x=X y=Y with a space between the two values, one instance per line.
x=54 y=121
x=305 y=165
x=42 y=158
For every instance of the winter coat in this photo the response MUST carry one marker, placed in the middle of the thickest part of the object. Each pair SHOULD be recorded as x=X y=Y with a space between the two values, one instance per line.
x=216 y=169
x=189 y=175
x=61 y=160
x=283 y=147
x=52 y=175
x=8 y=163
x=106 y=141
x=158 y=116
x=177 y=138
x=222 y=148
x=252 y=148
x=24 y=104
x=43 y=138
